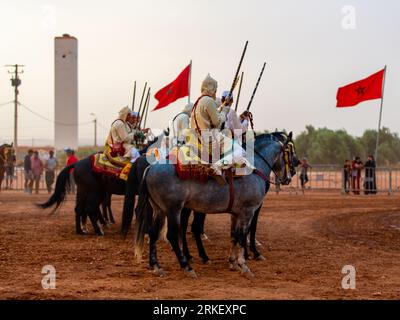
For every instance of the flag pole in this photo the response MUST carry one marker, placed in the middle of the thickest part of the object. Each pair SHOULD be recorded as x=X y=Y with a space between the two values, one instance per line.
x=380 y=117
x=190 y=80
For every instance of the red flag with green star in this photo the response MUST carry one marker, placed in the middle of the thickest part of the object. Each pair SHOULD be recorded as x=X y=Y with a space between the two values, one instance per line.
x=366 y=89
x=177 y=89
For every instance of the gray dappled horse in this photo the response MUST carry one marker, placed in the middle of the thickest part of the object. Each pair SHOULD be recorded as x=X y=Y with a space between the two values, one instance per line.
x=168 y=195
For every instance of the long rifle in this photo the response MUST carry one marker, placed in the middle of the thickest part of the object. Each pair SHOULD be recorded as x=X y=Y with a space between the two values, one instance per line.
x=144 y=107
x=236 y=78
x=134 y=96
x=240 y=89
x=147 y=110
x=141 y=100
x=255 y=89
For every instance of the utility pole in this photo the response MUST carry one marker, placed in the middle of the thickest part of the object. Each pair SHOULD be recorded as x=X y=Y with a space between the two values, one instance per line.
x=95 y=128
x=15 y=82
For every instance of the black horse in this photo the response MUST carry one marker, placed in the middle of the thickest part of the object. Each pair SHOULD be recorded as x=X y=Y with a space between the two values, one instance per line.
x=93 y=190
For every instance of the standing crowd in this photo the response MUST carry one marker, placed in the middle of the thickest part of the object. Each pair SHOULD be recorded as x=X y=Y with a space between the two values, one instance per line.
x=35 y=166
x=352 y=173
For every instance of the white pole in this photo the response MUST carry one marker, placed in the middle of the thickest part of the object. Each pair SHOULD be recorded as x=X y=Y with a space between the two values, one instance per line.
x=190 y=79
x=380 y=117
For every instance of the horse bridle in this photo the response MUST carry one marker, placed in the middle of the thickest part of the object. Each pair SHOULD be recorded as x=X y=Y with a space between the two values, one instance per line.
x=286 y=150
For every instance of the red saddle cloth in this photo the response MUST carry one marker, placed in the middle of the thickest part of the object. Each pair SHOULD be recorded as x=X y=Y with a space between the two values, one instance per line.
x=185 y=169
x=100 y=164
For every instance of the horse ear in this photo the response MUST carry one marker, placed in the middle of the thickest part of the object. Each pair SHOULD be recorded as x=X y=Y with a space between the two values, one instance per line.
x=12 y=144
x=290 y=135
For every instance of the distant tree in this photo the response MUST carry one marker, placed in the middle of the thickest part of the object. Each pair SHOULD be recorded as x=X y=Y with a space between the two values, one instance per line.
x=326 y=146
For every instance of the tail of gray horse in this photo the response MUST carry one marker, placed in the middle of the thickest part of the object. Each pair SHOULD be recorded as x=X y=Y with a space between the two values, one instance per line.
x=144 y=216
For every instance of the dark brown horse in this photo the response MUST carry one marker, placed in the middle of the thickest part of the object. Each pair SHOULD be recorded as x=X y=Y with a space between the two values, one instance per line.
x=5 y=152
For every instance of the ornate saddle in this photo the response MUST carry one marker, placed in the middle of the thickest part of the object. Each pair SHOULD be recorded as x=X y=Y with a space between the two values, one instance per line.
x=117 y=167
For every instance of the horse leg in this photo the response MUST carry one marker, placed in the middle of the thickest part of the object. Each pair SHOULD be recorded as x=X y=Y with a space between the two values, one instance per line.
x=253 y=228
x=198 y=229
x=93 y=209
x=233 y=263
x=79 y=212
x=173 y=237
x=104 y=211
x=110 y=213
x=185 y=214
x=241 y=235
x=154 y=234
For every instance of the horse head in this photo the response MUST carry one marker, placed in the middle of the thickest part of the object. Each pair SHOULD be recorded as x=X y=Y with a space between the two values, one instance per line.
x=287 y=159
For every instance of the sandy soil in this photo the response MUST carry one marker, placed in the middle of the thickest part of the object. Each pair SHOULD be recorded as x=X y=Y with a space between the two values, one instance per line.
x=306 y=241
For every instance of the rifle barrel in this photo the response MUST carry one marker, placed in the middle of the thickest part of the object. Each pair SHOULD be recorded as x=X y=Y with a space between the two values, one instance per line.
x=238 y=69
x=144 y=107
x=240 y=89
x=255 y=88
x=134 y=96
x=147 y=110
x=141 y=100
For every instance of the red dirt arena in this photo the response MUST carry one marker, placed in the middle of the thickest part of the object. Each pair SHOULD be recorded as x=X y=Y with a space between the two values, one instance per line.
x=306 y=241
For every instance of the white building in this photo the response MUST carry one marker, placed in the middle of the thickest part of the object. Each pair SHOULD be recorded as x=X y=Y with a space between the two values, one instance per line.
x=66 y=92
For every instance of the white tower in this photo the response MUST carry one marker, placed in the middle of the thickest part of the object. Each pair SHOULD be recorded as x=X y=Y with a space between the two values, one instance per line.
x=66 y=92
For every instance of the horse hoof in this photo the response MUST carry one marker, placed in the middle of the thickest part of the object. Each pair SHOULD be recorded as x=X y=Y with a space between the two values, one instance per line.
x=191 y=273
x=234 y=266
x=207 y=261
x=245 y=270
x=159 y=271
x=248 y=274
x=260 y=258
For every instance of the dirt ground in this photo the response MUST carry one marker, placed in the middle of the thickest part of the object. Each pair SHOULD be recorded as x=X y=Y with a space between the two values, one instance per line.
x=306 y=241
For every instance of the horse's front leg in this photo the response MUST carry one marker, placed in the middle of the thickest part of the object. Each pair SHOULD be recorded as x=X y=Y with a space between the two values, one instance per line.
x=185 y=214
x=241 y=235
x=173 y=237
x=253 y=229
x=198 y=230
x=233 y=263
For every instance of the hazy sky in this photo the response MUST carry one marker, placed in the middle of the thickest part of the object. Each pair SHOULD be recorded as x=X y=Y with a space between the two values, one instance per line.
x=308 y=53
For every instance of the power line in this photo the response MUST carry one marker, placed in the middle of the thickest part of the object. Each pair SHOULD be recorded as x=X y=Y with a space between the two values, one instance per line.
x=6 y=103
x=53 y=121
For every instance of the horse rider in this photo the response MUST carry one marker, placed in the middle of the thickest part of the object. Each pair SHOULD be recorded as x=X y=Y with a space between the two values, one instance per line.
x=180 y=124
x=120 y=140
x=233 y=121
x=207 y=116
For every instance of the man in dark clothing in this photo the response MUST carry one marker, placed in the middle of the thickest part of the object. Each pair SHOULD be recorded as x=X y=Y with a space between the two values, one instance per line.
x=347 y=175
x=370 y=176
x=356 y=167
x=28 y=171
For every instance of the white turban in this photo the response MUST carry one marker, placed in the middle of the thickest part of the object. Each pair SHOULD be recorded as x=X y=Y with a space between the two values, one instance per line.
x=209 y=86
x=188 y=108
x=124 y=112
x=225 y=94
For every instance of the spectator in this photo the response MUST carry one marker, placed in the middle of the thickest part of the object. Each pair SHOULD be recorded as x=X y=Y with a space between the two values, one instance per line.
x=370 y=177
x=304 y=165
x=10 y=165
x=50 y=170
x=37 y=170
x=347 y=175
x=71 y=159
x=356 y=167
x=28 y=172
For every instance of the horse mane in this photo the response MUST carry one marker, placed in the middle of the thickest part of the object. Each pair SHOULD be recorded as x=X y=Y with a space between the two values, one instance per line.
x=277 y=136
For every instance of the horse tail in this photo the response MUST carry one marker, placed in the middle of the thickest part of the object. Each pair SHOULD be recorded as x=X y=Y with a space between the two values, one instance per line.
x=60 y=190
x=144 y=216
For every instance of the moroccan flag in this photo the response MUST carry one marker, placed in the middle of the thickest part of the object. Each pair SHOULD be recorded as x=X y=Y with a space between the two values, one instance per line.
x=178 y=88
x=367 y=89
